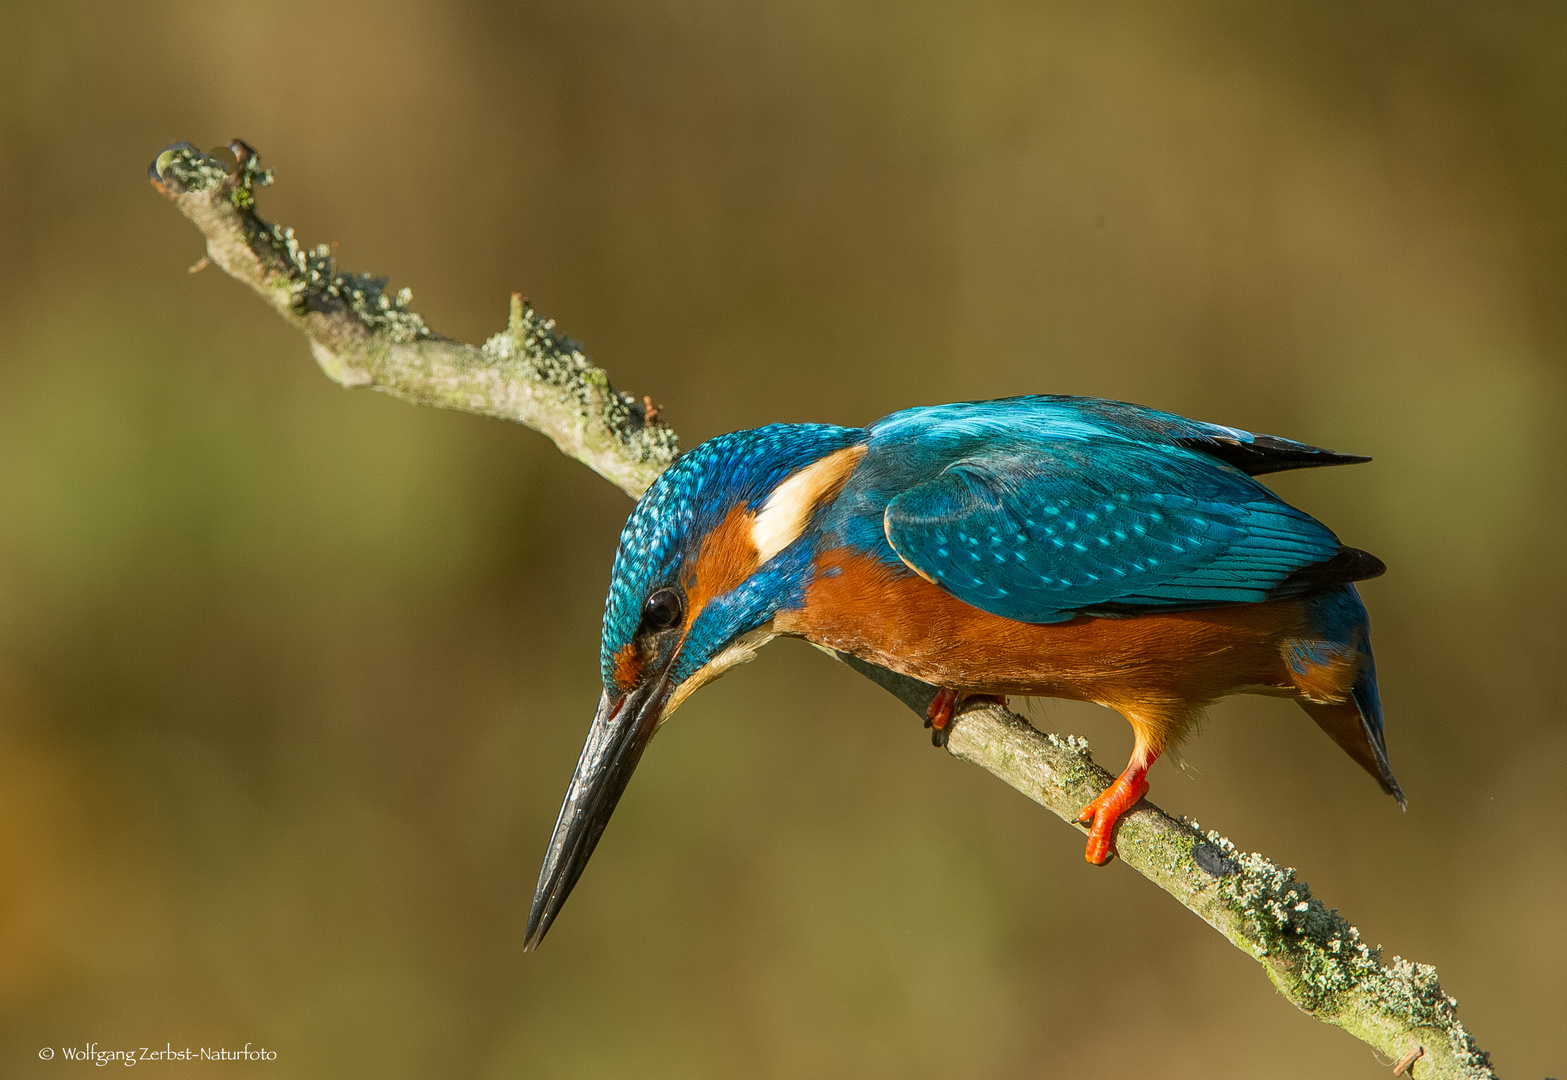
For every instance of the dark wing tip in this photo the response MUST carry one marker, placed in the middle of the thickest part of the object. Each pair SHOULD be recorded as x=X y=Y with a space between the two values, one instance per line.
x=1362 y=564
x=1272 y=444
x=1346 y=565
x=1270 y=454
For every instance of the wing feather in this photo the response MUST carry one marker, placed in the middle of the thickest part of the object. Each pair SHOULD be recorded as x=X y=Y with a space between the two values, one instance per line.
x=1044 y=531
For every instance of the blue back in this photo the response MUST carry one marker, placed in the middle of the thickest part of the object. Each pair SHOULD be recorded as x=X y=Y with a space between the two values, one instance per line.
x=1043 y=508
x=1054 y=417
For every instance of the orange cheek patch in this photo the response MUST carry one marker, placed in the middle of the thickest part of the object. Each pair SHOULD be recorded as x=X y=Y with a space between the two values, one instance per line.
x=727 y=557
x=628 y=668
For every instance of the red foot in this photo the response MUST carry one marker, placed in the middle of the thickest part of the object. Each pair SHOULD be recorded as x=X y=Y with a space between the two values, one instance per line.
x=938 y=717
x=1107 y=809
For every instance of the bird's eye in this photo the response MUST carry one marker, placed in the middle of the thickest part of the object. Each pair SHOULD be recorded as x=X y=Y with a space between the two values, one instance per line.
x=662 y=610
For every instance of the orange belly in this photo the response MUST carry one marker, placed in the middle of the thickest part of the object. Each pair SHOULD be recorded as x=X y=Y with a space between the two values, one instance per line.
x=1160 y=662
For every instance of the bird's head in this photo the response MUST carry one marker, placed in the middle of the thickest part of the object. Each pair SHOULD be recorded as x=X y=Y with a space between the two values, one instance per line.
x=718 y=545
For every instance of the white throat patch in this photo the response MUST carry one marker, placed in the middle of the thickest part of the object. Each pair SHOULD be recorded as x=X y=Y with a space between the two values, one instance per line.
x=738 y=651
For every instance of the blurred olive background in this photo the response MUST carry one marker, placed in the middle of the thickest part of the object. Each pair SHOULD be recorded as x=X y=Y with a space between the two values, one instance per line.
x=292 y=678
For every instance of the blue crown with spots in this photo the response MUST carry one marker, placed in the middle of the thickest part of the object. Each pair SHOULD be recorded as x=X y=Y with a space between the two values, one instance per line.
x=689 y=500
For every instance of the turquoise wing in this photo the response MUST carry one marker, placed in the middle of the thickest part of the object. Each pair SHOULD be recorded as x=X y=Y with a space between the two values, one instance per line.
x=1044 y=531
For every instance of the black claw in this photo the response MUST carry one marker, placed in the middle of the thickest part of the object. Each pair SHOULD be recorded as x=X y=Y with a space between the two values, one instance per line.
x=938 y=735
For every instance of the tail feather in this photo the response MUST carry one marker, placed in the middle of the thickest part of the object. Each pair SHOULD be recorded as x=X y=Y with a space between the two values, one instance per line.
x=1355 y=722
x=1356 y=725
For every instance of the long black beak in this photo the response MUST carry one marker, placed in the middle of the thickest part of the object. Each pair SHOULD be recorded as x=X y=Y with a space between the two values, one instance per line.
x=621 y=730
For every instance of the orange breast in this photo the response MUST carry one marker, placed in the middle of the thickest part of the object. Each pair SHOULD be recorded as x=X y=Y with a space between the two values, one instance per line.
x=900 y=621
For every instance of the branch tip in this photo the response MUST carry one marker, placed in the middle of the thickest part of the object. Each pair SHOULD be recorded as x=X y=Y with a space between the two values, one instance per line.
x=362 y=335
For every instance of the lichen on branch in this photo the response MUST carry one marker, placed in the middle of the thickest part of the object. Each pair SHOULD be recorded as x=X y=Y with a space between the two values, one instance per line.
x=1312 y=954
x=534 y=375
x=363 y=336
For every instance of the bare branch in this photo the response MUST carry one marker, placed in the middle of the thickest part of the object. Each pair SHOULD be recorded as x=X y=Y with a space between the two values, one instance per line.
x=530 y=374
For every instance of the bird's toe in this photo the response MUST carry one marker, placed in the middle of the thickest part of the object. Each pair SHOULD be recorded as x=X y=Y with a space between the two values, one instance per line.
x=946 y=705
x=1104 y=813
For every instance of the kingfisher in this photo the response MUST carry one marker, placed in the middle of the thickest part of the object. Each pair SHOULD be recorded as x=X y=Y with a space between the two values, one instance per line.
x=1047 y=546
